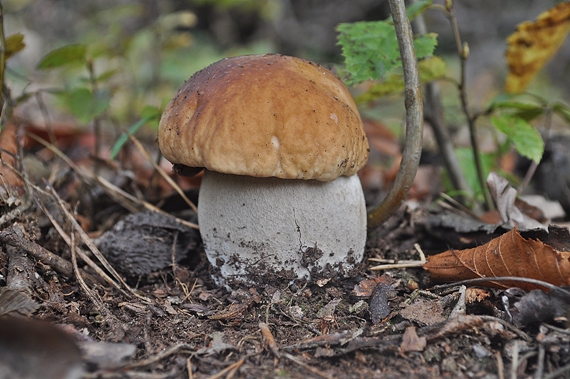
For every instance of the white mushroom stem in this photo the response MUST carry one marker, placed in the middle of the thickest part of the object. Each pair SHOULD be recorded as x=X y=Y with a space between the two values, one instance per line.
x=251 y=225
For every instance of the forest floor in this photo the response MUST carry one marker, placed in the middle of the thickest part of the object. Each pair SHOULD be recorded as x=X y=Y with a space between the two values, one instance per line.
x=162 y=315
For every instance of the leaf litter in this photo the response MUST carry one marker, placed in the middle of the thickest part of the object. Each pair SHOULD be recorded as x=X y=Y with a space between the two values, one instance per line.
x=172 y=321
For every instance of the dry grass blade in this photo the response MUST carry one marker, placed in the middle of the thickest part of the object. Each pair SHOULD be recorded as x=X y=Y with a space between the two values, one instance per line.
x=125 y=199
x=81 y=253
x=176 y=187
x=87 y=241
x=92 y=296
x=228 y=370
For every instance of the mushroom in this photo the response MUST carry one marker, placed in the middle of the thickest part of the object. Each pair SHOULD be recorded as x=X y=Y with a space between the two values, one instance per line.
x=281 y=141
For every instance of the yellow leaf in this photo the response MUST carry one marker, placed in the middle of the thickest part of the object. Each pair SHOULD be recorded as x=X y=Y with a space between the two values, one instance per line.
x=533 y=44
x=14 y=43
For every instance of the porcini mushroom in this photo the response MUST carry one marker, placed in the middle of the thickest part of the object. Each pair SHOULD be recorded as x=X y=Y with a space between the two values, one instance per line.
x=281 y=140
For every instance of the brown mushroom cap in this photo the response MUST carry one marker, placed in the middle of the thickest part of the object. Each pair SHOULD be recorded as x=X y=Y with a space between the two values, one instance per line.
x=265 y=116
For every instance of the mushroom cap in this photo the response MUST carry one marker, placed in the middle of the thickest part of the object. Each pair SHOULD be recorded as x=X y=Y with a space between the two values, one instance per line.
x=265 y=116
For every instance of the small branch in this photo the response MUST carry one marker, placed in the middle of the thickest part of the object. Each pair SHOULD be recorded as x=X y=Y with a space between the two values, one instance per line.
x=414 y=121
x=463 y=51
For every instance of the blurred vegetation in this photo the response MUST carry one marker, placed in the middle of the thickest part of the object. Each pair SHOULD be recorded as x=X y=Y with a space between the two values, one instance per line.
x=113 y=65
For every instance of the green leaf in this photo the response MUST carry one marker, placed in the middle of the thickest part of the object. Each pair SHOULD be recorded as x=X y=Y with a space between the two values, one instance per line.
x=84 y=105
x=468 y=167
x=562 y=110
x=417 y=8
x=14 y=43
x=414 y=10
x=371 y=49
x=107 y=75
x=527 y=140
x=430 y=69
x=63 y=56
x=123 y=138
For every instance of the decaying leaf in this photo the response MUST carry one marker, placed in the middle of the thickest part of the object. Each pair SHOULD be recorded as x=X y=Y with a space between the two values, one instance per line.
x=11 y=184
x=411 y=341
x=507 y=255
x=505 y=197
x=533 y=44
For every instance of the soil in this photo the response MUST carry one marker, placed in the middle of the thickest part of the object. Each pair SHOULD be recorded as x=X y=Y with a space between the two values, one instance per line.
x=177 y=323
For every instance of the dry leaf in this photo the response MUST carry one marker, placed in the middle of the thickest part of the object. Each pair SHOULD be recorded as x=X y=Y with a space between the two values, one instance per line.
x=411 y=341
x=507 y=255
x=10 y=182
x=533 y=44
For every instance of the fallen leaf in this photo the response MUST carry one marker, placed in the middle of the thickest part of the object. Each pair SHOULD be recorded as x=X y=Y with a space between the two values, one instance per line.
x=424 y=312
x=505 y=197
x=11 y=184
x=411 y=341
x=533 y=44
x=507 y=255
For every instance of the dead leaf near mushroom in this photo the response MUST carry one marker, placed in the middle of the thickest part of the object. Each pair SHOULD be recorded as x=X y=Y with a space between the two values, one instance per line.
x=510 y=254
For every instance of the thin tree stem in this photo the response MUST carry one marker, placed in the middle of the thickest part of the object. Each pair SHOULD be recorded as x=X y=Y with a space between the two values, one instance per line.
x=463 y=52
x=414 y=121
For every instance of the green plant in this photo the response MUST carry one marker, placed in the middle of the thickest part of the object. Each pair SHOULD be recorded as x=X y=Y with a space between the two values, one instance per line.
x=370 y=55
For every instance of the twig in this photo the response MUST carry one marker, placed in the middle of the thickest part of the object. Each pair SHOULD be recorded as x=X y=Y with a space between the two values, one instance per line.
x=515 y=360
x=557 y=373
x=97 y=302
x=163 y=354
x=500 y=365
x=436 y=118
x=87 y=241
x=538 y=374
x=232 y=367
x=12 y=236
x=463 y=51
x=306 y=366
x=81 y=253
x=414 y=121
x=176 y=187
x=266 y=332
x=112 y=190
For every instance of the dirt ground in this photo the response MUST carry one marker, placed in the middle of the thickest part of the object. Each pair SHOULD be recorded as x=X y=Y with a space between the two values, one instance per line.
x=175 y=322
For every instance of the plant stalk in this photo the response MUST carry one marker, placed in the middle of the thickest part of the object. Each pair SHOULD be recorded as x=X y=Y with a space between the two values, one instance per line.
x=463 y=52
x=435 y=117
x=414 y=121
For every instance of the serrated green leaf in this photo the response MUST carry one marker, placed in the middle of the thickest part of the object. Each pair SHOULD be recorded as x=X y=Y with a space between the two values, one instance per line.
x=84 y=105
x=526 y=139
x=430 y=69
x=63 y=56
x=371 y=49
x=14 y=43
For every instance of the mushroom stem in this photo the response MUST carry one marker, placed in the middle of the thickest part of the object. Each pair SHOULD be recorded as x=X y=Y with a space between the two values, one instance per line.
x=414 y=122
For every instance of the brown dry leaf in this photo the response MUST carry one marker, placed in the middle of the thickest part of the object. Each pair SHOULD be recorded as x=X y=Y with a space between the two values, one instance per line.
x=10 y=182
x=533 y=44
x=411 y=341
x=507 y=255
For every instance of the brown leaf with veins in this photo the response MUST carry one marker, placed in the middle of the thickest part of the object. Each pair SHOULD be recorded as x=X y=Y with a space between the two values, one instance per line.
x=533 y=44
x=507 y=255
